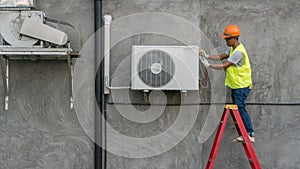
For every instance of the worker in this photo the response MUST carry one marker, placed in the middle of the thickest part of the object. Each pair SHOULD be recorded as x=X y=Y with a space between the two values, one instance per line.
x=238 y=73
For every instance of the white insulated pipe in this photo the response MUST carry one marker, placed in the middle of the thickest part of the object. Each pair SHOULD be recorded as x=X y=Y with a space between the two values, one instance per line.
x=107 y=20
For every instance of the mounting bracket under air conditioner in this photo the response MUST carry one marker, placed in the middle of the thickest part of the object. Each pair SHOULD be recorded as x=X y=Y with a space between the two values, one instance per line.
x=39 y=53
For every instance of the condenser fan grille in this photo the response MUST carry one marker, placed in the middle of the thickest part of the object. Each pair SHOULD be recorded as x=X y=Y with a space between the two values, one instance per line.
x=156 y=68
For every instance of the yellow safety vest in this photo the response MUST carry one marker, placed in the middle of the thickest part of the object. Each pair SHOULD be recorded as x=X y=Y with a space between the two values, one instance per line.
x=239 y=76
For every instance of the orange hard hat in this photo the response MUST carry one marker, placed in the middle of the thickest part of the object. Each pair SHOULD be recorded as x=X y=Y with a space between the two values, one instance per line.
x=231 y=31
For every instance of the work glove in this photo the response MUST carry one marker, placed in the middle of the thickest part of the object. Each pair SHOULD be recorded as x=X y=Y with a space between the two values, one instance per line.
x=205 y=62
x=203 y=53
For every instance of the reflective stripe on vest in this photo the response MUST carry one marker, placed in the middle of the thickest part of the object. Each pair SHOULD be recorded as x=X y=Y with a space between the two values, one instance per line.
x=239 y=77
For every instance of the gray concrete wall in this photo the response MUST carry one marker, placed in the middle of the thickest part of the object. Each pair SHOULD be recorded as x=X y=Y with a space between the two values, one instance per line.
x=269 y=32
x=39 y=130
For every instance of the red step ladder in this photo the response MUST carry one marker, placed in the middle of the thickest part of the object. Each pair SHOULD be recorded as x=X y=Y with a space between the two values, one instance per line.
x=233 y=110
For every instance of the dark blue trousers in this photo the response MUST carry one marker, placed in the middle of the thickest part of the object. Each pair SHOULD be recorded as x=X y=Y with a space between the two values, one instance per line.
x=239 y=97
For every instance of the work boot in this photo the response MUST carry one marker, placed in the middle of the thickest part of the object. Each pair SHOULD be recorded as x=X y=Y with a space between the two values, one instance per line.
x=241 y=139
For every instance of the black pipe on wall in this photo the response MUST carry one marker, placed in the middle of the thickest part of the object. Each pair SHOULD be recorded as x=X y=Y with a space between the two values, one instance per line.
x=207 y=103
x=99 y=152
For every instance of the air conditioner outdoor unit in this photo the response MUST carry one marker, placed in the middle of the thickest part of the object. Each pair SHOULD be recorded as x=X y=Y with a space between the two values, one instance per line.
x=165 y=68
x=17 y=3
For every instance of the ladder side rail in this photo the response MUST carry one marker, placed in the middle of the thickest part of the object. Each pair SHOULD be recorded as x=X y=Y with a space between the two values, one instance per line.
x=218 y=139
x=250 y=152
